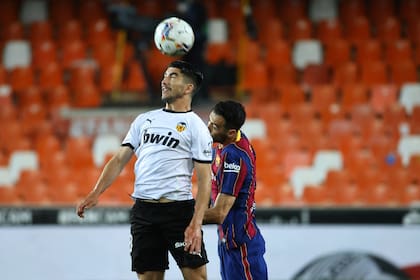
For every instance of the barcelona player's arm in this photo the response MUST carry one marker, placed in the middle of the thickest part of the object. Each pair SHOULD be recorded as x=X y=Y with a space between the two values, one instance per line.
x=220 y=209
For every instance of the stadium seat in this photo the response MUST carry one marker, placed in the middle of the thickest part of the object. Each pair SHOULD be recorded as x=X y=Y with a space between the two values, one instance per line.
x=135 y=80
x=329 y=30
x=408 y=146
x=369 y=51
x=289 y=95
x=22 y=160
x=300 y=29
x=8 y=195
x=33 y=10
x=98 y=32
x=13 y=31
x=90 y=11
x=402 y=72
x=353 y=94
x=326 y=160
x=43 y=53
x=88 y=96
x=40 y=31
x=283 y=73
x=50 y=75
x=337 y=52
x=398 y=50
x=383 y=97
x=21 y=77
x=380 y=11
x=388 y=29
x=409 y=96
x=350 y=9
x=61 y=12
x=9 y=12
x=103 y=145
x=322 y=10
x=315 y=74
x=349 y=195
x=278 y=53
x=57 y=97
x=347 y=73
x=271 y=30
x=306 y=52
x=78 y=151
x=69 y=31
x=305 y=176
x=72 y=52
x=358 y=30
x=316 y=195
x=29 y=95
x=324 y=100
x=17 y=53
x=294 y=159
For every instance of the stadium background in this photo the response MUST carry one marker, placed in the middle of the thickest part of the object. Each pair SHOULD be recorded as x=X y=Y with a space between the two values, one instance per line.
x=331 y=89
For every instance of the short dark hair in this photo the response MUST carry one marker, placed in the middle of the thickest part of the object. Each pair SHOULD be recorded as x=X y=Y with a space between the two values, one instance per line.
x=233 y=112
x=190 y=71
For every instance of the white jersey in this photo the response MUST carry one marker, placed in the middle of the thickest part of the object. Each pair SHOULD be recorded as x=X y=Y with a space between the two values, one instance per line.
x=166 y=143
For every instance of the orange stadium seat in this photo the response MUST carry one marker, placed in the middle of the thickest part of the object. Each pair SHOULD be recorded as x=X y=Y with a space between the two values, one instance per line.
x=315 y=74
x=398 y=50
x=368 y=51
x=82 y=75
x=316 y=195
x=21 y=77
x=347 y=73
x=337 y=52
x=349 y=195
x=374 y=72
x=350 y=9
x=50 y=75
x=380 y=11
x=329 y=30
x=220 y=52
x=136 y=80
x=57 y=97
x=358 y=30
x=13 y=31
x=40 y=31
x=30 y=95
x=353 y=94
x=44 y=53
x=283 y=74
x=405 y=71
x=72 y=52
x=324 y=100
x=98 y=32
x=9 y=12
x=300 y=29
x=410 y=194
x=90 y=11
x=290 y=95
x=383 y=97
x=70 y=30
x=271 y=29
x=278 y=53
x=61 y=12
x=87 y=96
x=413 y=30
x=388 y=29
x=290 y=10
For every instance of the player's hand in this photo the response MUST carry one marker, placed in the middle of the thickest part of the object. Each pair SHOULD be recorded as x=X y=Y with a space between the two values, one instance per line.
x=90 y=201
x=193 y=238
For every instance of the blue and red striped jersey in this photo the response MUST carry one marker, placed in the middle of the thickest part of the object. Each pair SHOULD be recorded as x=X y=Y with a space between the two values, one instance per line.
x=234 y=173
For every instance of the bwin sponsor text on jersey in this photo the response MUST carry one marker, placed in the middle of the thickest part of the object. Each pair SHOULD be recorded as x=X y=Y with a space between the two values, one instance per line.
x=165 y=140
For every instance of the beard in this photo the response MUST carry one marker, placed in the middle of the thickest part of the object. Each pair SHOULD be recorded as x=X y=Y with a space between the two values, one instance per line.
x=171 y=98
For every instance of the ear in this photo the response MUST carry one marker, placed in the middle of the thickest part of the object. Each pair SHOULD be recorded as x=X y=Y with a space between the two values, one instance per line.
x=189 y=89
x=232 y=134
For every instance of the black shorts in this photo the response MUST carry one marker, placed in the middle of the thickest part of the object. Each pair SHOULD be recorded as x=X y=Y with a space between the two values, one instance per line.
x=157 y=228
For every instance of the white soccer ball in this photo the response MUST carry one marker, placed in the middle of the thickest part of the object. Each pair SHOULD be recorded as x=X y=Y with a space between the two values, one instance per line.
x=174 y=36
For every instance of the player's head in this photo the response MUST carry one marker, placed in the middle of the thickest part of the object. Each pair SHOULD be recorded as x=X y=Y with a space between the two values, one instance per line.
x=191 y=74
x=225 y=120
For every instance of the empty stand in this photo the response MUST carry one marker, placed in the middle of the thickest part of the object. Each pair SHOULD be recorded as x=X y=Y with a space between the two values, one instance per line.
x=409 y=96
x=307 y=52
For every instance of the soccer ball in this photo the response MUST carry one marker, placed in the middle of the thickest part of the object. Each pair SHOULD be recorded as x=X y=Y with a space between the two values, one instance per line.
x=174 y=36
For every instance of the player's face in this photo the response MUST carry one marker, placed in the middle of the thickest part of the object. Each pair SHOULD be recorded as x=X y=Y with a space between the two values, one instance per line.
x=173 y=85
x=217 y=128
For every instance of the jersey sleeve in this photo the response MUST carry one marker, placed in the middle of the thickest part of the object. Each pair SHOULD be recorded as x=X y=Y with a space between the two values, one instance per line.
x=202 y=142
x=133 y=135
x=233 y=173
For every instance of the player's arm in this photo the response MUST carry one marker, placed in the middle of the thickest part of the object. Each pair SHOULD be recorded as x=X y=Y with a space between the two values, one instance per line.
x=193 y=235
x=110 y=172
x=220 y=209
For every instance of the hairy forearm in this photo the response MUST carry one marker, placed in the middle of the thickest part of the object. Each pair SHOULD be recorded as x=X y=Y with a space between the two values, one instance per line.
x=213 y=216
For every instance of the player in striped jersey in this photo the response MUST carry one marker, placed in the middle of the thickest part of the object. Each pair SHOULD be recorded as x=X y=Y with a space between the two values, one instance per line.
x=241 y=245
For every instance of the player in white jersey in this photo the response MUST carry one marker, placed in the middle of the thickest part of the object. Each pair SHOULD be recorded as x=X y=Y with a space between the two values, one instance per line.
x=168 y=143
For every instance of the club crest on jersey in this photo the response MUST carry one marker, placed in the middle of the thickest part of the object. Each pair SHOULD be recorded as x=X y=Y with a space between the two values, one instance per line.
x=181 y=126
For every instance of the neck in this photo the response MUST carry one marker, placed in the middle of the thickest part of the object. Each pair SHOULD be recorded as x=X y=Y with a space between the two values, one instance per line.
x=179 y=105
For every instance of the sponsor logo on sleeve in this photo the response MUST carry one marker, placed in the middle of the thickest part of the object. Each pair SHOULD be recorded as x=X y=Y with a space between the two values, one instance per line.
x=231 y=167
